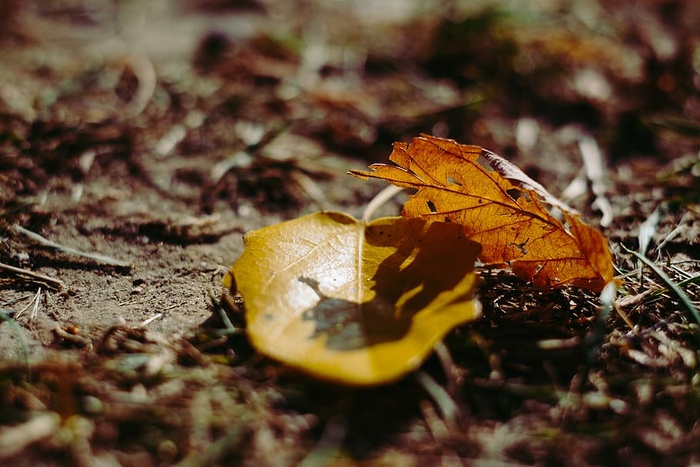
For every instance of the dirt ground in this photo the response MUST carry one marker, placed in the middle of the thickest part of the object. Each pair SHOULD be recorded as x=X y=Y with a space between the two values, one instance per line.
x=139 y=141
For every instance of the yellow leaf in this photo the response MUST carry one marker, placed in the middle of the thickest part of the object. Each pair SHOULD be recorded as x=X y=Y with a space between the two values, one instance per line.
x=352 y=302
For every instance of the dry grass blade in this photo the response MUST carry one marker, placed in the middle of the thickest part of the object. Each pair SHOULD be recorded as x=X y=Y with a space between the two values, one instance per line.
x=648 y=229
x=672 y=286
x=595 y=172
x=448 y=407
x=379 y=200
x=72 y=251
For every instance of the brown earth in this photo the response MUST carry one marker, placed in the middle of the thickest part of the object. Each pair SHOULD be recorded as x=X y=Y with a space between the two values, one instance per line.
x=157 y=135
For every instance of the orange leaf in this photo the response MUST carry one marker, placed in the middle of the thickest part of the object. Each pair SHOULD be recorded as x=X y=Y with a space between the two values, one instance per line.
x=514 y=218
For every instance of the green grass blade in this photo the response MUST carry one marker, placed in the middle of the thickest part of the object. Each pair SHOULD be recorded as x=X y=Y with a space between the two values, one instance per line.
x=17 y=331
x=690 y=280
x=672 y=286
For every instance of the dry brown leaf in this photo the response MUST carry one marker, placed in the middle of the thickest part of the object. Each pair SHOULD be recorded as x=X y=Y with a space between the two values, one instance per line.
x=514 y=218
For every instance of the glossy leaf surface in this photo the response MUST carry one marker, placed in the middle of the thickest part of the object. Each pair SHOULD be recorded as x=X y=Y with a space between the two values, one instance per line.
x=356 y=303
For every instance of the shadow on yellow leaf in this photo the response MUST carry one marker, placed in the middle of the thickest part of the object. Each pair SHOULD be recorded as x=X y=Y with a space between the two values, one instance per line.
x=516 y=221
x=353 y=302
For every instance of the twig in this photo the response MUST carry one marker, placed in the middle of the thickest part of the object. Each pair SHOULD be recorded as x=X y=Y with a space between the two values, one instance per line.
x=632 y=300
x=622 y=313
x=57 y=284
x=71 y=251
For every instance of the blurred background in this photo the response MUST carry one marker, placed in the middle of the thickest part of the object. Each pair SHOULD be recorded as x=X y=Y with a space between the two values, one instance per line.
x=268 y=88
